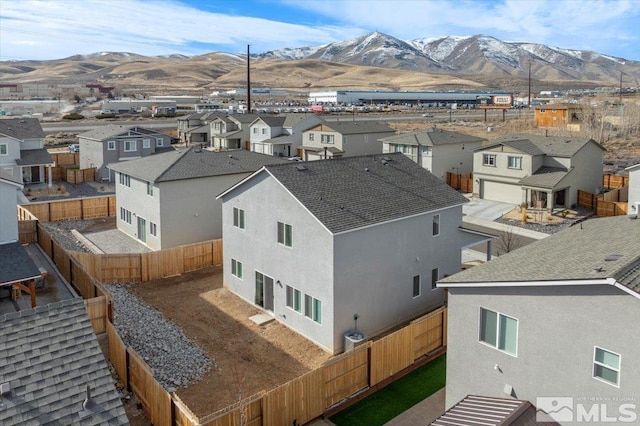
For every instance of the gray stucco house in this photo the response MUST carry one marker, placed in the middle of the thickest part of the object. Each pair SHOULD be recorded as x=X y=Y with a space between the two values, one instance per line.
x=194 y=128
x=335 y=139
x=542 y=171
x=318 y=244
x=231 y=131
x=280 y=135
x=22 y=152
x=556 y=318
x=634 y=189
x=439 y=151
x=113 y=143
x=9 y=188
x=166 y=200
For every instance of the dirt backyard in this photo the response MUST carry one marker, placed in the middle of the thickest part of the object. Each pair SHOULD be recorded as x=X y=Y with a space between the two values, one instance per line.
x=247 y=358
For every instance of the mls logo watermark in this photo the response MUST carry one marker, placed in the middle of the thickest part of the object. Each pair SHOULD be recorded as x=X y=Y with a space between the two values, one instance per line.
x=587 y=409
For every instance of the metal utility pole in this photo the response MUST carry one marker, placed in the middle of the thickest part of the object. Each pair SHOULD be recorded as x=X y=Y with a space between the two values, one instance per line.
x=621 y=87
x=248 y=81
x=529 y=101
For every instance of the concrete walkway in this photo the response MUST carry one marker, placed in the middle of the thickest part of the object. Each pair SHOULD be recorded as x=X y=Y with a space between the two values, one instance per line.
x=423 y=413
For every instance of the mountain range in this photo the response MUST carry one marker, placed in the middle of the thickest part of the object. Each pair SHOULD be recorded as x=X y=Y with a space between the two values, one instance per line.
x=373 y=61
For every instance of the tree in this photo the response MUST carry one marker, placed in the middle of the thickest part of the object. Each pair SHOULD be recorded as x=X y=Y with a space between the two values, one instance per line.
x=508 y=241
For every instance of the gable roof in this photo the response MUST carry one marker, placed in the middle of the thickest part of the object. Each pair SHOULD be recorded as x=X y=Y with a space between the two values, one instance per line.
x=21 y=128
x=34 y=157
x=354 y=192
x=431 y=137
x=49 y=355
x=191 y=163
x=6 y=177
x=577 y=254
x=553 y=146
x=357 y=127
x=113 y=130
x=16 y=265
x=272 y=120
x=244 y=118
x=545 y=177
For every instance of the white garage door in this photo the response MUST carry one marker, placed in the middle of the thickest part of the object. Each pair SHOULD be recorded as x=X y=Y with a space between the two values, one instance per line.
x=498 y=191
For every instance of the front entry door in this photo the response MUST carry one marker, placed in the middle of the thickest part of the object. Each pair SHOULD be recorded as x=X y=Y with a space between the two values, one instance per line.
x=264 y=291
x=142 y=229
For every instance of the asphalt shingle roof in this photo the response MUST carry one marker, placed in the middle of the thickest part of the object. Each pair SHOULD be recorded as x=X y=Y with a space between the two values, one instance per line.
x=9 y=178
x=273 y=121
x=190 y=163
x=21 y=128
x=357 y=127
x=553 y=146
x=16 y=265
x=545 y=177
x=576 y=253
x=431 y=137
x=49 y=355
x=353 y=192
x=113 y=130
x=34 y=157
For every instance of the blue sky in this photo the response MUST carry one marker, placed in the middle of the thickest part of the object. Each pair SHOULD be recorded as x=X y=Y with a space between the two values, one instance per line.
x=33 y=29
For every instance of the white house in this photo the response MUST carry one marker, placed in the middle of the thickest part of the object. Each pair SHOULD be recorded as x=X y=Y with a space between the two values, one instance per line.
x=166 y=200
x=280 y=135
x=321 y=244
x=22 y=152
x=634 y=189
x=9 y=188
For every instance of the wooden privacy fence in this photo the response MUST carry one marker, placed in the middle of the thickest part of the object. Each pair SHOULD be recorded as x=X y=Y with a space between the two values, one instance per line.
x=66 y=158
x=610 y=181
x=600 y=205
x=78 y=208
x=80 y=175
x=141 y=267
x=461 y=182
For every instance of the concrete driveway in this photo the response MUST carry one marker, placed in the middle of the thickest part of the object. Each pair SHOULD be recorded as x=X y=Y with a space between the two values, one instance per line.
x=486 y=209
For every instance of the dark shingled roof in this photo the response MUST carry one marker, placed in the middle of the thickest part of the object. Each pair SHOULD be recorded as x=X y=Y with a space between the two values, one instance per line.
x=545 y=177
x=353 y=192
x=109 y=131
x=553 y=146
x=431 y=137
x=34 y=157
x=576 y=253
x=193 y=163
x=273 y=121
x=21 y=128
x=358 y=127
x=49 y=355
x=16 y=265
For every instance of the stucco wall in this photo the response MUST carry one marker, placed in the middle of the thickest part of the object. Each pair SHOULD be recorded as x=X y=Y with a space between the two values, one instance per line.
x=558 y=328
x=8 y=212
x=634 y=190
x=8 y=162
x=136 y=200
x=91 y=155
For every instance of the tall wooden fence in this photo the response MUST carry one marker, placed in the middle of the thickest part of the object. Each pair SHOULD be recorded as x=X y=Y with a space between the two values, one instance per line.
x=80 y=175
x=78 y=208
x=461 y=182
x=610 y=181
x=599 y=204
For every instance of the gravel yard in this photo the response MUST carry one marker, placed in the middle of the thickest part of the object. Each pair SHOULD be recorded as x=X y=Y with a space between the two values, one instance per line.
x=61 y=230
x=545 y=225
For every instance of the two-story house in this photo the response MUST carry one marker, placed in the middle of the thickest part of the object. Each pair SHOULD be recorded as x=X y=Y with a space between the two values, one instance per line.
x=22 y=152
x=280 y=135
x=194 y=128
x=107 y=145
x=318 y=244
x=542 y=171
x=556 y=318
x=634 y=189
x=327 y=140
x=439 y=151
x=231 y=131
x=168 y=199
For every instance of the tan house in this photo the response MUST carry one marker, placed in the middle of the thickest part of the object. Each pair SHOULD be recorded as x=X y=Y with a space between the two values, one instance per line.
x=328 y=140
x=558 y=115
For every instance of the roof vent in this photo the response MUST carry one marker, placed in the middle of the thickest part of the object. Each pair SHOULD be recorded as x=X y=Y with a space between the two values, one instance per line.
x=612 y=257
x=366 y=169
x=300 y=167
x=230 y=156
x=5 y=390
x=89 y=406
x=599 y=269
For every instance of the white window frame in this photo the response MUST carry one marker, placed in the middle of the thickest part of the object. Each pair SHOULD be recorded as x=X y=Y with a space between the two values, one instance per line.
x=327 y=138
x=286 y=229
x=489 y=160
x=498 y=331
x=310 y=136
x=435 y=225
x=255 y=130
x=125 y=180
x=416 y=290
x=146 y=143
x=129 y=143
x=6 y=149
x=150 y=189
x=617 y=370
x=153 y=229
x=264 y=130
x=111 y=145
x=514 y=162
x=159 y=142
x=236 y=268
x=311 y=310
x=238 y=218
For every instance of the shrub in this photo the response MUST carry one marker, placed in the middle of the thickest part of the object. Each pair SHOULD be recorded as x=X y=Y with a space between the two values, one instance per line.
x=73 y=116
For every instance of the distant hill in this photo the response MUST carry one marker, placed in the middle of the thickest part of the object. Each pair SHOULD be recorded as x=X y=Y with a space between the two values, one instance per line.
x=375 y=61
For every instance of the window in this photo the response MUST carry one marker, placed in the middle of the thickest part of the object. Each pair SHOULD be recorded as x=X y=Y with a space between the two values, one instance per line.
x=426 y=150
x=236 y=268
x=317 y=311
x=326 y=138
x=489 y=160
x=435 y=274
x=308 y=306
x=499 y=331
x=294 y=299
x=125 y=180
x=285 y=234
x=264 y=131
x=416 y=286
x=238 y=218
x=311 y=137
x=514 y=162
x=606 y=366
x=159 y=142
x=313 y=308
x=150 y=188
x=4 y=149
x=153 y=229
x=542 y=111
x=255 y=130
x=111 y=145
x=146 y=143
x=130 y=146
x=436 y=225
x=125 y=215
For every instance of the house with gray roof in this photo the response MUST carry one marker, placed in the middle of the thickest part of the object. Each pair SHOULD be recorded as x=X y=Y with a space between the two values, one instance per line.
x=194 y=128
x=53 y=371
x=335 y=139
x=634 y=189
x=439 y=151
x=9 y=188
x=166 y=200
x=22 y=151
x=556 y=318
x=545 y=172
x=323 y=245
x=281 y=135
x=231 y=131
x=113 y=143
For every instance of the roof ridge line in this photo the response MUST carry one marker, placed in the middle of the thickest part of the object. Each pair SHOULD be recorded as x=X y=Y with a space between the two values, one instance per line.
x=181 y=154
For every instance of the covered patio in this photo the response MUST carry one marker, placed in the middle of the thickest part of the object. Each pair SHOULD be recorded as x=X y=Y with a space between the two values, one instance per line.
x=32 y=163
x=18 y=272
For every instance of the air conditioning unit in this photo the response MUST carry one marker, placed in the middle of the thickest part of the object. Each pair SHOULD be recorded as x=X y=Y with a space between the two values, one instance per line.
x=353 y=339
